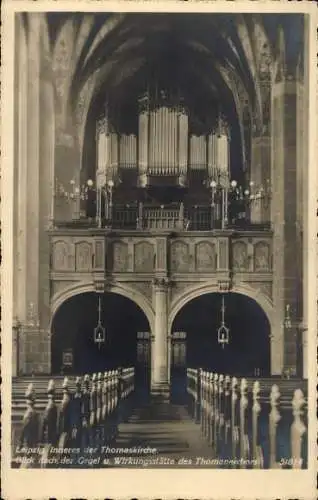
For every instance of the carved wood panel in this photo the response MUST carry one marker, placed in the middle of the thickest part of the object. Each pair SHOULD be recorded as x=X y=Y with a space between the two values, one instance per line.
x=205 y=256
x=62 y=256
x=120 y=256
x=262 y=257
x=223 y=254
x=83 y=255
x=161 y=254
x=179 y=256
x=99 y=254
x=144 y=257
x=240 y=258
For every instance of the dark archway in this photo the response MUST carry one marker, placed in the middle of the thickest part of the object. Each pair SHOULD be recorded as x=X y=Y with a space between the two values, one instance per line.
x=249 y=345
x=73 y=332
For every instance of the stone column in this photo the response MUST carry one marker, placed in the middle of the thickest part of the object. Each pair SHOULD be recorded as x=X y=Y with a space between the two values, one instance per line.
x=286 y=248
x=34 y=349
x=159 y=351
x=33 y=208
x=260 y=175
x=304 y=203
x=15 y=350
x=20 y=174
x=261 y=155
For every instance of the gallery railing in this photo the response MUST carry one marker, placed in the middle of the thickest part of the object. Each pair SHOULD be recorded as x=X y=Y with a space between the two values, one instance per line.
x=137 y=217
x=85 y=420
x=248 y=425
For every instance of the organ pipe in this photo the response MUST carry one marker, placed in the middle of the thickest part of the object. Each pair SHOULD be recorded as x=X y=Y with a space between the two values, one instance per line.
x=183 y=142
x=114 y=153
x=158 y=123
x=176 y=138
x=198 y=151
x=100 y=152
x=161 y=167
x=151 y=139
x=143 y=142
x=170 y=138
x=156 y=140
x=122 y=150
x=210 y=160
x=162 y=139
x=173 y=140
x=127 y=151
x=163 y=144
x=165 y=132
x=134 y=149
x=222 y=157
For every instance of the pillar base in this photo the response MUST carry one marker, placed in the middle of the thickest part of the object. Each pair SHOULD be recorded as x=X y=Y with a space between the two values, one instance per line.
x=34 y=351
x=160 y=392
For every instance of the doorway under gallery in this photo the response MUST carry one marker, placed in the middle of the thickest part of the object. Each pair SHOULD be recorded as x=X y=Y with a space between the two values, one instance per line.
x=75 y=349
x=247 y=352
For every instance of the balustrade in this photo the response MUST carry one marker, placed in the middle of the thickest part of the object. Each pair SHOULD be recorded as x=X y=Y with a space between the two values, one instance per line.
x=136 y=216
x=87 y=417
x=246 y=422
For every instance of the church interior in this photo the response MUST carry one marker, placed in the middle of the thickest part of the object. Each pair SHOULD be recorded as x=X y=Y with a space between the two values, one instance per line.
x=160 y=234
x=178 y=141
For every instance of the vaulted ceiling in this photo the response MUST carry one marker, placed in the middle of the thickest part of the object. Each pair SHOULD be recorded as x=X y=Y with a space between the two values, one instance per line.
x=214 y=60
x=216 y=57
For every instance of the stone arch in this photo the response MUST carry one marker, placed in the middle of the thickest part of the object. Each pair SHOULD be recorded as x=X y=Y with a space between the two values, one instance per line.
x=202 y=288
x=121 y=289
x=264 y=302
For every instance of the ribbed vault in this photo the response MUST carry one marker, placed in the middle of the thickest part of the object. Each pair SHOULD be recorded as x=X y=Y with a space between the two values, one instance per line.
x=239 y=41
x=217 y=58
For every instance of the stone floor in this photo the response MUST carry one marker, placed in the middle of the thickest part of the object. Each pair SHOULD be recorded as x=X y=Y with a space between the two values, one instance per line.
x=167 y=429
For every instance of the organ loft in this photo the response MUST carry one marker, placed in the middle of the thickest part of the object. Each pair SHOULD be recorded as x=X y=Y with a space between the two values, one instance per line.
x=160 y=194
x=160 y=165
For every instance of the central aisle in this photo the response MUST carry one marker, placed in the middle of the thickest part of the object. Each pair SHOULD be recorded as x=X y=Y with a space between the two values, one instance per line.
x=169 y=430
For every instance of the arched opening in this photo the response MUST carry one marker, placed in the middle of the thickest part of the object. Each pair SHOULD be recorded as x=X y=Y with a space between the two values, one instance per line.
x=74 y=349
x=248 y=350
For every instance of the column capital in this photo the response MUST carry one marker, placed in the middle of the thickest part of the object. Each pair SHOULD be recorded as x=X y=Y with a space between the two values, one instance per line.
x=161 y=283
x=302 y=326
x=225 y=285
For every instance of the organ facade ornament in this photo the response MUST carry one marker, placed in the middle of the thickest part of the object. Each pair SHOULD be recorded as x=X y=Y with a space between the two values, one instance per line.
x=165 y=144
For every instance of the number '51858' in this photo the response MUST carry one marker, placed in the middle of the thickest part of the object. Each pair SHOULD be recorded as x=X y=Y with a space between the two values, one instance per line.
x=291 y=462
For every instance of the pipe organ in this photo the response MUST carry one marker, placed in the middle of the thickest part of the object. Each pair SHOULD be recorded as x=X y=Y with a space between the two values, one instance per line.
x=128 y=151
x=198 y=152
x=164 y=145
